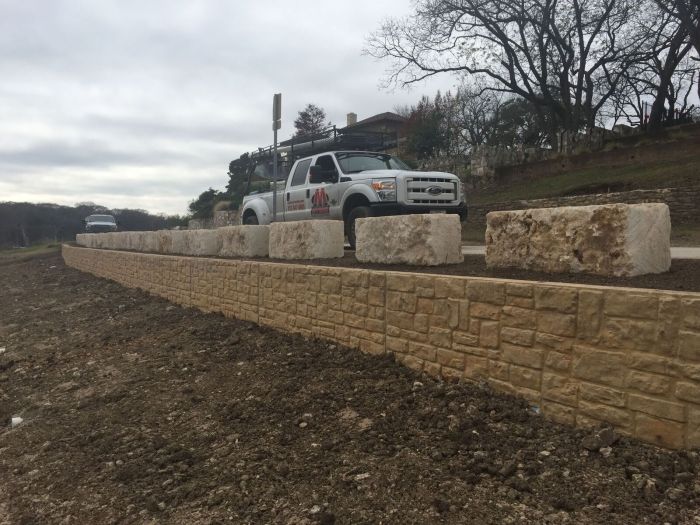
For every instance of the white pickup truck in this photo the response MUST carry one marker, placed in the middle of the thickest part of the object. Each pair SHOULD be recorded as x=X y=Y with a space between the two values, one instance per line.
x=349 y=185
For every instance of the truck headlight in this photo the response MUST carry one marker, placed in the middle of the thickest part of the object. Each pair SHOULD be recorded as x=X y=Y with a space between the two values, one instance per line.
x=385 y=188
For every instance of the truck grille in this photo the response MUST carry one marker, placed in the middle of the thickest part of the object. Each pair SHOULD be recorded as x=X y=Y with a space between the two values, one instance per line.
x=431 y=190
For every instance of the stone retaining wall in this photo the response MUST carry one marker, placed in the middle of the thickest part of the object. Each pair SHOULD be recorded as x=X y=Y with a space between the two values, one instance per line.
x=583 y=354
x=683 y=203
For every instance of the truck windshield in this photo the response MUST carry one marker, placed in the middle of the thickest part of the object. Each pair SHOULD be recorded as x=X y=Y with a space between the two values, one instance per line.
x=357 y=162
x=100 y=218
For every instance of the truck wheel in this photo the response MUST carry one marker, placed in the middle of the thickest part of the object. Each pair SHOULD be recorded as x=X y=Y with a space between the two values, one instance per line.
x=251 y=220
x=356 y=213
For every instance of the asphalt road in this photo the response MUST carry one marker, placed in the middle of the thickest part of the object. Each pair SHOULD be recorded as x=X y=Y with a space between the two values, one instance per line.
x=676 y=252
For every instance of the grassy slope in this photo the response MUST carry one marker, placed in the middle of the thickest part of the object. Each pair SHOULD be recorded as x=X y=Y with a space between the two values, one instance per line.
x=662 y=174
x=677 y=165
x=680 y=166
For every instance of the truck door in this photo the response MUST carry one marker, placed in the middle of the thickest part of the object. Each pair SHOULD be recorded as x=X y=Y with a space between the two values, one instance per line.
x=295 y=201
x=323 y=199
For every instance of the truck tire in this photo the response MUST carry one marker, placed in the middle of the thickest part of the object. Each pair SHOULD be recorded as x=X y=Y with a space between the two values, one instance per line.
x=356 y=213
x=251 y=220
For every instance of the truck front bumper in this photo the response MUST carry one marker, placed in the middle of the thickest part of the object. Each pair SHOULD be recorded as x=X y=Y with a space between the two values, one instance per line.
x=381 y=209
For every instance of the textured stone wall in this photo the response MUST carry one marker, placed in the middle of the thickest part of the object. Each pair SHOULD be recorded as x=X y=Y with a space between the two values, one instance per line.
x=684 y=203
x=583 y=354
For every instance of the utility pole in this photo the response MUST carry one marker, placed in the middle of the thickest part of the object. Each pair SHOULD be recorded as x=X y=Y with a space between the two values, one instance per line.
x=276 y=124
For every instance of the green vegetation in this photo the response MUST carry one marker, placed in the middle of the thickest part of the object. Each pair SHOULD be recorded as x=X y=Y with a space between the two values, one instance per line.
x=677 y=170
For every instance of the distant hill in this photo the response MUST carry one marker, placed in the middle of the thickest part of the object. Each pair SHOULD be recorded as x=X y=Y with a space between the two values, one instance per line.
x=24 y=223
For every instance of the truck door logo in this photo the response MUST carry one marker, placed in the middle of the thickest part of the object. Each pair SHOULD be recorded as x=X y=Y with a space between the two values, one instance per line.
x=319 y=203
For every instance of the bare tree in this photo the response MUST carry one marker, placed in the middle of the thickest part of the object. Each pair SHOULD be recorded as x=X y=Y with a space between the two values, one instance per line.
x=687 y=12
x=478 y=113
x=564 y=58
x=663 y=80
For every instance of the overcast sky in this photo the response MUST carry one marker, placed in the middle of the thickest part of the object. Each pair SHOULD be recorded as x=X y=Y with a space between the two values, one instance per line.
x=142 y=104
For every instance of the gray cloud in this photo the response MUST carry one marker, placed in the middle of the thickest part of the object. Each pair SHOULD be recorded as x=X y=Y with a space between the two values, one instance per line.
x=143 y=104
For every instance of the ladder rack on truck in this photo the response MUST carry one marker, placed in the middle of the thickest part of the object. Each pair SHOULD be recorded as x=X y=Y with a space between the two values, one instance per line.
x=290 y=150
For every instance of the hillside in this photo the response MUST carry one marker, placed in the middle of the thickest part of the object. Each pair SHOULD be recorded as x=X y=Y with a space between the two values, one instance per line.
x=668 y=161
x=671 y=160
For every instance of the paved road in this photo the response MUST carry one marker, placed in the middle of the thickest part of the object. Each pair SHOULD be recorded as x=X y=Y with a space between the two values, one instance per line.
x=676 y=252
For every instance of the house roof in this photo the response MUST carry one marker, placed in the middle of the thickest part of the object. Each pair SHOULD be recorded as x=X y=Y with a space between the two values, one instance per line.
x=388 y=115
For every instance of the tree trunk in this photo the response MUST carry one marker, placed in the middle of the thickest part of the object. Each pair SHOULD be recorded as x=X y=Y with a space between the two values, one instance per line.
x=676 y=53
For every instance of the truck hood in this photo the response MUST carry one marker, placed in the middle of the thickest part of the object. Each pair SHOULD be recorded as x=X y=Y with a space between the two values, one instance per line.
x=387 y=174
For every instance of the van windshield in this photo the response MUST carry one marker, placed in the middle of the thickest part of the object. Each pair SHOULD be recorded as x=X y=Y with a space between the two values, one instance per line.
x=352 y=162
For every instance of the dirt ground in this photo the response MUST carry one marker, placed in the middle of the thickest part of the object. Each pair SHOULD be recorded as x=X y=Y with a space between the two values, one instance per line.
x=138 y=411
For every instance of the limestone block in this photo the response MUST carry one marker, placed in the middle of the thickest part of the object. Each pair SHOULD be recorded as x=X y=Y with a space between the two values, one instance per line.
x=96 y=240
x=244 y=241
x=135 y=241
x=106 y=240
x=613 y=240
x=129 y=241
x=172 y=242
x=84 y=239
x=118 y=241
x=149 y=242
x=164 y=239
x=101 y=240
x=202 y=242
x=425 y=240
x=314 y=239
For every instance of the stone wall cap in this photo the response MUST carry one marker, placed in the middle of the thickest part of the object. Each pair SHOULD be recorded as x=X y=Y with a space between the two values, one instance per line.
x=465 y=278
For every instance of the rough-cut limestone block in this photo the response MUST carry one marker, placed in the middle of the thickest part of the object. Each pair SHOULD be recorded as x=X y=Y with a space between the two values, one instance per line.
x=132 y=241
x=96 y=240
x=84 y=239
x=614 y=239
x=307 y=240
x=165 y=241
x=177 y=242
x=425 y=240
x=149 y=242
x=128 y=240
x=135 y=241
x=244 y=241
x=202 y=242
x=107 y=241
x=117 y=241
x=142 y=241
